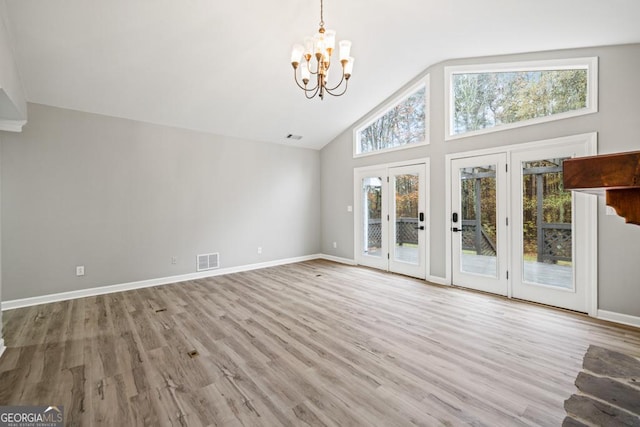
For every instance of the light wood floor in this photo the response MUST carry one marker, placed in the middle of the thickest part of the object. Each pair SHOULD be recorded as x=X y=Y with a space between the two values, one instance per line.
x=313 y=343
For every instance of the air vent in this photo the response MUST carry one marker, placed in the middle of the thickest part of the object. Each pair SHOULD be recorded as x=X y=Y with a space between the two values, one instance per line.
x=208 y=261
x=296 y=137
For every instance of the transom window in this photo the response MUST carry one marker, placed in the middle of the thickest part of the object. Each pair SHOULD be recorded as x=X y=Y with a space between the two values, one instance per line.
x=400 y=124
x=494 y=97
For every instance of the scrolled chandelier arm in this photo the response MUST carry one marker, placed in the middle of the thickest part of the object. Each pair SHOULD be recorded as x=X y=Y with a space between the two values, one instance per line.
x=314 y=59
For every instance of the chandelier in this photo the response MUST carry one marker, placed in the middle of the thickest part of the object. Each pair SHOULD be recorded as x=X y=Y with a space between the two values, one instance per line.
x=321 y=47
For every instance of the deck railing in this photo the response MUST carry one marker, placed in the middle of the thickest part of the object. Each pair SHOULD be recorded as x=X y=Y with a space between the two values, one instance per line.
x=554 y=243
x=406 y=232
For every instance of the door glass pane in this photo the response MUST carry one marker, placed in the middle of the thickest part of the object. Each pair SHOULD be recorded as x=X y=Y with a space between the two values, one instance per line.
x=546 y=225
x=478 y=212
x=372 y=203
x=406 y=216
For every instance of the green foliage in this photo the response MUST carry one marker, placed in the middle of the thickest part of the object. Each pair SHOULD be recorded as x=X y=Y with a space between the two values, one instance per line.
x=407 y=193
x=556 y=202
x=486 y=212
x=540 y=177
x=374 y=201
x=407 y=187
x=485 y=100
x=401 y=125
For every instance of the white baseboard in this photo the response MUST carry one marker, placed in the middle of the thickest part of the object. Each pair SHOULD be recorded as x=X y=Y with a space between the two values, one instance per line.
x=12 y=125
x=2 y=347
x=437 y=280
x=625 y=319
x=63 y=296
x=340 y=260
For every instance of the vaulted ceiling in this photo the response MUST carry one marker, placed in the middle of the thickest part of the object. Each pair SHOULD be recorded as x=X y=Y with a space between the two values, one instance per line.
x=224 y=67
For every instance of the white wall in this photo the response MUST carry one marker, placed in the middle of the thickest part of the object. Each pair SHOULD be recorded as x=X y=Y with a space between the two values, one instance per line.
x=122 y=197
x=618 y=130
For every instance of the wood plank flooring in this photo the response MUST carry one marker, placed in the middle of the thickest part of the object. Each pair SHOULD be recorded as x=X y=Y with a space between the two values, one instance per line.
x=315 y=343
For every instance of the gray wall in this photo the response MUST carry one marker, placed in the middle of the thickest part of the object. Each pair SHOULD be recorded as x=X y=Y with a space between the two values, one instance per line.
x=12 y=101
x=122 y=197
x=13 y=105
x=1 y=335
x=618 y=130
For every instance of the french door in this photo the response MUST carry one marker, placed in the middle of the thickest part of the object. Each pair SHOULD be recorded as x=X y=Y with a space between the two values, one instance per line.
x=552 y=238
x=479 y=239
x=390 y=219
x=516 y=232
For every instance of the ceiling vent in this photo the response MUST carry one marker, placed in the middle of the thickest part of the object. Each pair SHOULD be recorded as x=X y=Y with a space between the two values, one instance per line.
x=295 y=137
x=208 y=261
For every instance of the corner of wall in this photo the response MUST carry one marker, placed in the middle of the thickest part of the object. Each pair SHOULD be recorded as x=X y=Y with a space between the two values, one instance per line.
x=13 y=103
x=2 y=347
x=621 y=318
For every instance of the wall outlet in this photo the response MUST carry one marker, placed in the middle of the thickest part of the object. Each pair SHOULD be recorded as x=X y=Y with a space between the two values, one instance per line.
x=349 y=208
x=80 y=270
x=259 y=250
x=174 y=260
x=335 y=245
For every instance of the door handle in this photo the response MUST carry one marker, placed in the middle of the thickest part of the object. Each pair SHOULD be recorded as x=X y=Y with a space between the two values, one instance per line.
x=419 y=228
x=456 y=229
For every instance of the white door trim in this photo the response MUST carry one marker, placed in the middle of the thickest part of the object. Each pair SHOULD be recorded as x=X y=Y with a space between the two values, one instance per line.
x=591 y=216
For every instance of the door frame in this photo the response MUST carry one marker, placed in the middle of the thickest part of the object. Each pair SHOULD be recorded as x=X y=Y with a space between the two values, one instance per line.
x=576 y=297
x=357 y=207
x=498 y=284
x=591 y=217
x=373 y=262
x=396 y=264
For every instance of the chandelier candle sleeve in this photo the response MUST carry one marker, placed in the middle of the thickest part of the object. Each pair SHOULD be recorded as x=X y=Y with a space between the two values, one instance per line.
x=306 y=74
x=345 y=49
x=296 y=54
x=313 y=58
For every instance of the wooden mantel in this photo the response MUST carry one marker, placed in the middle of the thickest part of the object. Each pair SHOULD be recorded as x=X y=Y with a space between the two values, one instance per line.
x=618 y=175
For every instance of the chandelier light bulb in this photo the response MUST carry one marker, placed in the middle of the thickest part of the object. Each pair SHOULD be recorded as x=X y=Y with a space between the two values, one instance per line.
x=296 y=54
x=308 y=46
x=348 y=68
x=318 y=43
x=330 y=40
x=345 y=49
x=305 y=73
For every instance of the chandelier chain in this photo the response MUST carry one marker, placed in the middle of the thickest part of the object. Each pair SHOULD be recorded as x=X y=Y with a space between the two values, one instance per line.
x=321 y=14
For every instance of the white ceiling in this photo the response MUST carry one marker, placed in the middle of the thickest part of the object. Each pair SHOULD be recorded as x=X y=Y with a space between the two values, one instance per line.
x=223 y=67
